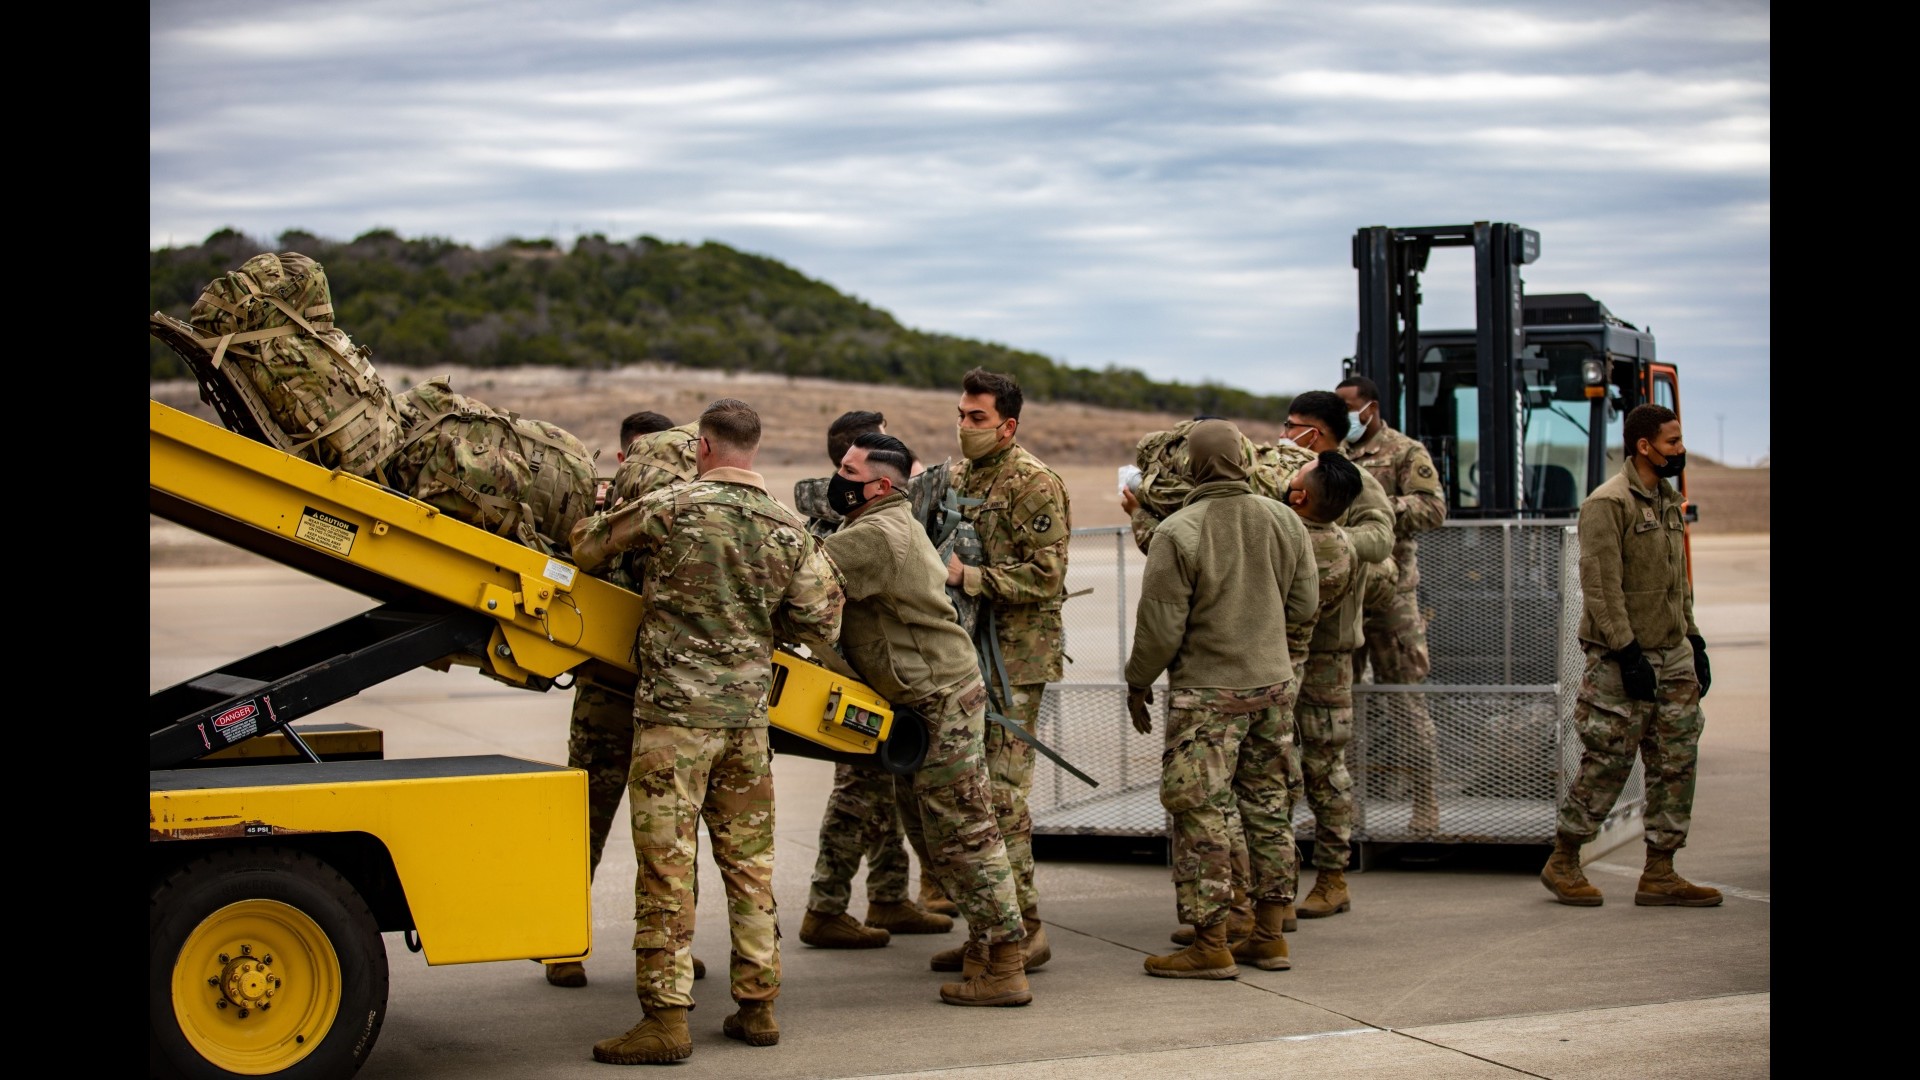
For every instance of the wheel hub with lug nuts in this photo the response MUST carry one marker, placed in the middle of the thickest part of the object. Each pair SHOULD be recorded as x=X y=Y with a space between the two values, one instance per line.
x=247 y=981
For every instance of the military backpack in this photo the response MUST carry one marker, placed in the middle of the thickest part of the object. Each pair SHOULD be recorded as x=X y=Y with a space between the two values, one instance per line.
x=270 y=323
x=1166 y=472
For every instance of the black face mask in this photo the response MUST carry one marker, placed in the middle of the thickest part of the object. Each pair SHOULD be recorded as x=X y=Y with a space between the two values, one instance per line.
x=846 y=495
x=1674 y=466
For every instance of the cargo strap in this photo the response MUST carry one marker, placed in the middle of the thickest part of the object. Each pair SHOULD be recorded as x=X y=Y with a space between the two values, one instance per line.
x=995 y=669
x=1053 y=755
x=321 y=313
x=506 y=420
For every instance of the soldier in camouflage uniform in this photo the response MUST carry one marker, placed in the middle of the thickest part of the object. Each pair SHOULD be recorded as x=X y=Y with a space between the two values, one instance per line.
x=654 y=454
x=600 y=731
x=727 y=572
x=900 y=637
x=1368 y=525
x=1646 y=668
x=1321 y=493
x=1229 y=567
x=1023 y=521
x=861 y=820
x=1396 y=628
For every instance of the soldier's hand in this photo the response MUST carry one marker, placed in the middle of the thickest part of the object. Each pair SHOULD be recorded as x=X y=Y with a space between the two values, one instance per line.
x=1129 y=501
x=1701 y=669
x=1138 y=698
x=1636 y=673
x=956 y=570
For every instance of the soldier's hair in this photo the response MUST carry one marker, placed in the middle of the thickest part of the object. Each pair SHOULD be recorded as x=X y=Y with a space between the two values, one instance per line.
x=1366 y=387
x=1335 y=483
x=851 y=425
x=1645 y=422
x=888 y=456
x=1005 y=391
x=641 y=423
x=1324 y=406
x=733 y=424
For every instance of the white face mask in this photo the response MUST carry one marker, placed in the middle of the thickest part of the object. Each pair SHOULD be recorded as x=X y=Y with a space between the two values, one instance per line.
x=1356 y=427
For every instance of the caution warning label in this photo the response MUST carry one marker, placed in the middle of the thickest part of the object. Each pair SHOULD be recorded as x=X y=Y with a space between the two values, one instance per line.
x=326 y=531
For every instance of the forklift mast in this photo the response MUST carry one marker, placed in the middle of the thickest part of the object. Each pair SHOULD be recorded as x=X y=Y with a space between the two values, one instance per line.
x=1522 y=412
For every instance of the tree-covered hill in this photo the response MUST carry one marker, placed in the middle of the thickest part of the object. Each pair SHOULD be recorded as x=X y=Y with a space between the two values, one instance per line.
x=605 y=303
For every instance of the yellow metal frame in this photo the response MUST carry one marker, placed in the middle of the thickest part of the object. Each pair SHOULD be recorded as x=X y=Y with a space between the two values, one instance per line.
x=550 y=617
x=813 y=702
x=494 y=863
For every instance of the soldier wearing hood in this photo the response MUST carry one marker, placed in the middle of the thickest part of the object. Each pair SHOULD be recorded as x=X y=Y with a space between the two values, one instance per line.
x=1227 y=568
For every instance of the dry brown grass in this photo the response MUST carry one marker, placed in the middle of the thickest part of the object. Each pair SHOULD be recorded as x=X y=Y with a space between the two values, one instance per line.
x=1083 y=443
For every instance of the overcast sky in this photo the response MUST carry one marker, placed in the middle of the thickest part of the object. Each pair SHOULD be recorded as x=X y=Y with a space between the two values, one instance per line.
x=1170 y=187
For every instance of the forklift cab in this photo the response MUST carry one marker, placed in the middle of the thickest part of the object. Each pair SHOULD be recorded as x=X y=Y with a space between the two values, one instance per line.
x=1522 y=413
x=1579 y=373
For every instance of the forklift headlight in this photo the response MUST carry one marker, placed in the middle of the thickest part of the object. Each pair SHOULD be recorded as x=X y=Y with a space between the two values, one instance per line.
x=1594 y=374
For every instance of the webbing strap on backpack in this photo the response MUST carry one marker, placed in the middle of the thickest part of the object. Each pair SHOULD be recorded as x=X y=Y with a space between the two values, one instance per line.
x=994 y=669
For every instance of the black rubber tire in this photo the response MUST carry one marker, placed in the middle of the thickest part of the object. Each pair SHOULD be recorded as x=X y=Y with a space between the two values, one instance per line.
x=187 y=896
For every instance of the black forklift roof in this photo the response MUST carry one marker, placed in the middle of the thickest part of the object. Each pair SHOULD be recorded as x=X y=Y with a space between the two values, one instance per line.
x=1568 y=309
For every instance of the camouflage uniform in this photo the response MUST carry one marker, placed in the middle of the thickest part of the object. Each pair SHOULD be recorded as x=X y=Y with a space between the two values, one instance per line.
x=899 y=636
x=600 y=730
x=1023 y=520
x=1634 y=587
x=1395 y=628
x=1323 y=717
x=726 y=572
x=600 y=741
x=862 y=819
x=1229 y=727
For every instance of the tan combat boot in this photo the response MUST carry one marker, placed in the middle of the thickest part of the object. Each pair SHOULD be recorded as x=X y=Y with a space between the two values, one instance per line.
x=1034 y=948
x=1661 y=886
x=1563 y=877
x=1239 y=921
x=1207 y=958
x=1329 y=896
x=656 y=1040
x=906 y=917
x=570 y=973
x=933 y=898
x=1001 y=980
x=823 y=931
x=753 y=1024
x=1291 y=920
x=1266 y=947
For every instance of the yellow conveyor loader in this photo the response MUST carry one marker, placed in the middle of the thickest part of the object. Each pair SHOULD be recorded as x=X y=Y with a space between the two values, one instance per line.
x=278 y=854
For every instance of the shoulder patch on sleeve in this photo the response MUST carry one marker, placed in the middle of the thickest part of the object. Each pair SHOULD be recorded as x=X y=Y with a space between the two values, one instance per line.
x=1042 y=515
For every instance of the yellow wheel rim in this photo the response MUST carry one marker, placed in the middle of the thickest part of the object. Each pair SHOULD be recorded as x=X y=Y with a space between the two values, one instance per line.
x=256 y=987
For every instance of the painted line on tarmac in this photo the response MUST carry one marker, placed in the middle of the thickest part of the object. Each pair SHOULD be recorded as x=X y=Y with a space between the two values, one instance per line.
x=1332 y=1034
x=1730 y=890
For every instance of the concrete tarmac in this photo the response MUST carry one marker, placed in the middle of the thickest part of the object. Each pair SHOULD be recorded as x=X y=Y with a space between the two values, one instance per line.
x=1454 y=961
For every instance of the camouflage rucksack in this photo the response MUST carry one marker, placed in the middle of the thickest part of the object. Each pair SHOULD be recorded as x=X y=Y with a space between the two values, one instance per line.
x=936 y=506
x=271 y=323
x=662 y=458
x=1166 y=474
x=526 y=480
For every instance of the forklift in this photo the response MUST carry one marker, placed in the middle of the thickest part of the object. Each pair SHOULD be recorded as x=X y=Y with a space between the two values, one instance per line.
x=1522 y=413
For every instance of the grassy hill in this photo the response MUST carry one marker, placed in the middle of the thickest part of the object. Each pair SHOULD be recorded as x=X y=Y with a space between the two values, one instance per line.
x=605 y=304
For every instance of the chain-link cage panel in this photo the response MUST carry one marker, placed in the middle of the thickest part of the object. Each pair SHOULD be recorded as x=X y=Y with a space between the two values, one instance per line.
x=1482 y=752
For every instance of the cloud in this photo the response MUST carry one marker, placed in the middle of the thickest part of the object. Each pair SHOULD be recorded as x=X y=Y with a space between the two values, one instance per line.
x=1172 y=188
